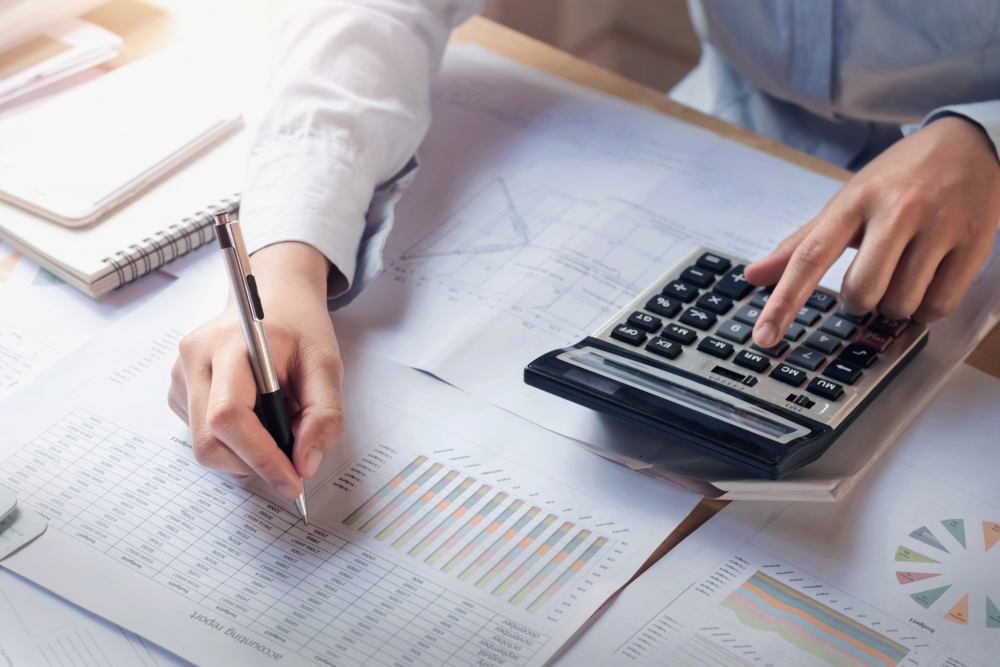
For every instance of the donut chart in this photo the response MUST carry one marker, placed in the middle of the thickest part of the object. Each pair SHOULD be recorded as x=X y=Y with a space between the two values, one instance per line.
x=930 y=553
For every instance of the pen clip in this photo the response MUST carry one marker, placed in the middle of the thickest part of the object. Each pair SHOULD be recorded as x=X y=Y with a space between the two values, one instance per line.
x=231 y=238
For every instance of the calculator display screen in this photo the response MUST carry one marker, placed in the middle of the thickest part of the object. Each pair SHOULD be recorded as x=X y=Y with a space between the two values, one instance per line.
x=693 y=395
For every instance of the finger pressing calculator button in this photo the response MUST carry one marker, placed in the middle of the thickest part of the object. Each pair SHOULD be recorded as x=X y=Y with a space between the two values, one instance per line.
x=715 y=303
x=752 y=360
x=788 y=375
x=734 y=284
x=825 y=388
x=645 y=322
x=663 y=347
x=775 y=351
x=807 y=359
x=681 y=290
x=714 y=263
x=807 y=316
x=698 y=318
x=661 y=305
x=699 y=277
x=747 y=315
x=680 y=334
x=857 y=319
x=795 y=332
x=891 y=327
x=715 y=347
x=859 y=355
x=821 y=301
x=734 y=331
x=629 y=334
x=759 y=299
x=879 y=342
x=843 y=371
x=823 y=342
x=839 y=327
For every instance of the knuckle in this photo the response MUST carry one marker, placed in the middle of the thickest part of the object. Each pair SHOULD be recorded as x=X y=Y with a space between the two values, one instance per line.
x=221 y=417
x=860 y=293
x=333 y=423
x=938 y=307
x=900 y=307
x=205 y=449
x=810 y=254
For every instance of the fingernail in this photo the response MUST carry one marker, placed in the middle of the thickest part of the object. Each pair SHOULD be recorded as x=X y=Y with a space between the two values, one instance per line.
x=766 y=335
x=289 y=490
x=313 y=459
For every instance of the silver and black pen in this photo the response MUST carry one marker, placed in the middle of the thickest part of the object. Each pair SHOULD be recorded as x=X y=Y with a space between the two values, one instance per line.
x=244 y=288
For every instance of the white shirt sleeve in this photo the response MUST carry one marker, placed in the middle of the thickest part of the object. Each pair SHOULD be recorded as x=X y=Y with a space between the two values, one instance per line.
x=985 y=114
x=346 y=104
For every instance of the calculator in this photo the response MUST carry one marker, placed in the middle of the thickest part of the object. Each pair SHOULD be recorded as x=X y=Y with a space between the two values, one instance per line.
x=679 y=361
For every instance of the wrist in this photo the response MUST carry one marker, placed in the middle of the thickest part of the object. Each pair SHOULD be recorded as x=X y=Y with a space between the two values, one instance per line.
x=291 y=270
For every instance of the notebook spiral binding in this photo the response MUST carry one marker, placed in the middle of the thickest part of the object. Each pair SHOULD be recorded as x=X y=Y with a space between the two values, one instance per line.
x=167 y=245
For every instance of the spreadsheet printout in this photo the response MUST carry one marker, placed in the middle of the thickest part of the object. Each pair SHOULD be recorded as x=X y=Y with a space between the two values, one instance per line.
x=446 y=531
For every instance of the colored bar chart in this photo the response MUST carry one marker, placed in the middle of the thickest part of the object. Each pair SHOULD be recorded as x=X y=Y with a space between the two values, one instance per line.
x=550 y=567
x=506 y=537
x=466 y=527
x=516 y=551
x=385 y=490
x=396 y=502
x=417 y=505
x=459 y=512
x=483 y=535
x=530 y=561
x=433 y=513
x=566 y=576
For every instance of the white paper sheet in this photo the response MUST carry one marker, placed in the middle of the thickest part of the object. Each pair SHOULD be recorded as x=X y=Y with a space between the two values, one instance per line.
x=901 y=572
x=222 y=572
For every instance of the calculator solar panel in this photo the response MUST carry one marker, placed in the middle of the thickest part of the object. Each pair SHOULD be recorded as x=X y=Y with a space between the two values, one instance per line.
x=679 y=361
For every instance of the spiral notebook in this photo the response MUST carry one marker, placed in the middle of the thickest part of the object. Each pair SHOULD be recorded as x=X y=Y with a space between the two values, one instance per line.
x=170 y=220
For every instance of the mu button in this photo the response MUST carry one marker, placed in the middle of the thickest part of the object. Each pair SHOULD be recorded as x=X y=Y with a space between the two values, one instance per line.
x=825 y=388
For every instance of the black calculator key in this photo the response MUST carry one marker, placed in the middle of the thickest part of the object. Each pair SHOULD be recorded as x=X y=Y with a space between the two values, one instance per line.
x=698 y=318
x=629 y=334
x=661 y=305
x=788 y=375
x=824 y=342
x=859 y=355
x=822 y=301
x=807 y=359
x=715 y=347
x=680 y=334
x=747 y=315
x=663 y=347
x=734 y=284
x=715 y=303
x=825 y=388
x=752 y=360
x=775 y=351
x=699 y=277
x=807 y=316
x=734 y=331
x=681 y=290
x=839 y=327
x=843 y=371
x=794 y=332
x=759 y=299
x=857 y=319
x=644 y=321
x=714 y=263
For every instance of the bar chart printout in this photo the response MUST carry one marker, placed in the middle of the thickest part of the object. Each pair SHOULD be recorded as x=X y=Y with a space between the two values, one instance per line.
x=512 y=540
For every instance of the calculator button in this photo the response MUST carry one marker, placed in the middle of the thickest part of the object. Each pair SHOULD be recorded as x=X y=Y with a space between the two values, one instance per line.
x=752 y=360
x=681 y=290
x=839 y=327
x=807 y=316
x=747 y=315
x=857 y=319
x=802 y=400
x=843 y=371
x=807 y=359
x=680 y=334
x=879 y=342
x=775 y=351
x=661 y=305
x=734 y=331
x=734 y=284
x=698 y=318
x=825 y=388
x=715 y=347
x=891 y=327
x=714 y=263
x=715 y=303
x=663 y=347
x=644 y=321
x=788 y=375
x=859 y=355
x=821 y=301
x=759 y=299
x=629 y=334
x=794 y=332
x=699 y=277
x=823 y=342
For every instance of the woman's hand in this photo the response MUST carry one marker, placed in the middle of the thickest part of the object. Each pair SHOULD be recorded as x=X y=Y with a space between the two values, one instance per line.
x=923 y=216
x=213 y=387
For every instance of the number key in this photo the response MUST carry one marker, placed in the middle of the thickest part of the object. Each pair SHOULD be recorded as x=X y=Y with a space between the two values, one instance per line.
x=839 y=327
x=747 y=315
x=807 y=359
x=807 y=316
x=821 y=301
x=825 y=343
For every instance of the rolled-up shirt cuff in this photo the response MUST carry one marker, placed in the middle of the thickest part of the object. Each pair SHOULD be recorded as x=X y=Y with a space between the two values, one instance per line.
x=985 y=114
